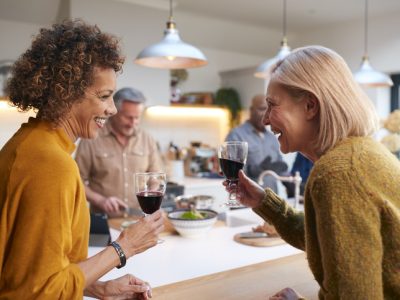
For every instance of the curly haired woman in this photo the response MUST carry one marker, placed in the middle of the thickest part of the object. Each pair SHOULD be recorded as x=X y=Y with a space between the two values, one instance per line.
x=68 y=76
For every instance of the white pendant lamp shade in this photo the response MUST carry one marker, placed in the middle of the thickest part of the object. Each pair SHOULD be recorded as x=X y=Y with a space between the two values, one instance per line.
x=367 y=76
x=171 y=52
x=264 y=69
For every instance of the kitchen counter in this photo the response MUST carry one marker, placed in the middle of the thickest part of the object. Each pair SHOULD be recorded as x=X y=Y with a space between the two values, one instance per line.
x=179 y=259
x=258 y=281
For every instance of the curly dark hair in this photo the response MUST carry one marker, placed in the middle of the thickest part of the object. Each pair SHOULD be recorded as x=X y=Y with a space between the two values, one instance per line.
x=58 y=67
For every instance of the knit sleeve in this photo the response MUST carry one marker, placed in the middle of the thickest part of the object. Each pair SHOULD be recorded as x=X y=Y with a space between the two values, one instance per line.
x=288 y=222
x=348 y=232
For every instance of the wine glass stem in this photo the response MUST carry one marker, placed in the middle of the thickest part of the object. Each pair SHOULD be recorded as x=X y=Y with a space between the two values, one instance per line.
x=232 y=193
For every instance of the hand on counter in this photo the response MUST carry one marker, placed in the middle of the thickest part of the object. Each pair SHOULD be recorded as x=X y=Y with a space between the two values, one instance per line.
x=125 y=287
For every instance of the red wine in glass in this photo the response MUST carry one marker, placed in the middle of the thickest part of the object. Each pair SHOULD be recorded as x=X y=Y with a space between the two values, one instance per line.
x=150 y=189
x=232 y=158
x=231 y=168
x=150 y=201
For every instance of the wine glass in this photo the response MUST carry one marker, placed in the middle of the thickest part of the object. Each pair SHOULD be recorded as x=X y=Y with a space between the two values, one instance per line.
x=232 y=158
x=150 y=189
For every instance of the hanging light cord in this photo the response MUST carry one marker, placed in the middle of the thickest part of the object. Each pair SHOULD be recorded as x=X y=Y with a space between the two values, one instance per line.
x=366 y=30
x=284 y=19
x=170 y=10
x=171 y=23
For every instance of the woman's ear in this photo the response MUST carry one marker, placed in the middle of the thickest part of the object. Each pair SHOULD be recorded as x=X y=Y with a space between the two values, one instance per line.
x=312 y=106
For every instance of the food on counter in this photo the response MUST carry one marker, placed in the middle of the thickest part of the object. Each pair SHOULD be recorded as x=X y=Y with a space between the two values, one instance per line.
x=267 y=228
x=196 y=224
x=193 y=215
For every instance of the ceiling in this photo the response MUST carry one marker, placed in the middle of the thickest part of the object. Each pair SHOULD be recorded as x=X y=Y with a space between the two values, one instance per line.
x=301 y=14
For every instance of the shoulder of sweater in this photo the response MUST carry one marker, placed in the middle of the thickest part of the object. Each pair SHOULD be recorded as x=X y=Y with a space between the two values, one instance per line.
x=351 y=153
x=42 y=156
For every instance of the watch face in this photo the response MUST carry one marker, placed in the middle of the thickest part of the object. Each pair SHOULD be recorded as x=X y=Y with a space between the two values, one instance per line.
x=5 y=73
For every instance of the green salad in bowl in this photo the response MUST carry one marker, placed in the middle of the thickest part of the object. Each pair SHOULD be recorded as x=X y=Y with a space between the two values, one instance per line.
x=193 y=223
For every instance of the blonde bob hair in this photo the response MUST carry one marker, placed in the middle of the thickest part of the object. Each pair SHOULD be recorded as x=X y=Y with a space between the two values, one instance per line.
x=344 y=109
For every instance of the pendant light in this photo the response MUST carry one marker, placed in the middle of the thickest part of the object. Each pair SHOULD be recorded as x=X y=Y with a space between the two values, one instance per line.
x=171 y=52
x=263 y=70
x=366 y=75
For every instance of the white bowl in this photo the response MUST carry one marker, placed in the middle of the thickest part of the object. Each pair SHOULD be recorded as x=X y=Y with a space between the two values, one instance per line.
x=193 y=228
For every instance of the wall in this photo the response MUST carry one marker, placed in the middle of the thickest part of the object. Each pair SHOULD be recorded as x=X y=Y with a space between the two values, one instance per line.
x=15 y=37
x=383 y=49
x=244 y=81
x=140 y=26
x=10 y=121
x=233 y=49
x=183 y=124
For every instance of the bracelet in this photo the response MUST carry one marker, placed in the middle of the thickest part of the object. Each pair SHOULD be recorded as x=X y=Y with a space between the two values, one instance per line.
x=121 y=254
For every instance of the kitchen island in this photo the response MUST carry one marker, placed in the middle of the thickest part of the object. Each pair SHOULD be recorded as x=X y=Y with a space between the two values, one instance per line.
x=254 y=282
x=180 y=263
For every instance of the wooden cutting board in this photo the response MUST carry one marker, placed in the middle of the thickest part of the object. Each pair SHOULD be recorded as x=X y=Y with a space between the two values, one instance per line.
x=259 y=242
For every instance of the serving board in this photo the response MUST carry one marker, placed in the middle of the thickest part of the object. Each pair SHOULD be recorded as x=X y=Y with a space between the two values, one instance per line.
x=259 y=242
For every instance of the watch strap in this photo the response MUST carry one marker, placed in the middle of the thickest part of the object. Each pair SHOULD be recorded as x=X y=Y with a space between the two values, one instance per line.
x=121 y=254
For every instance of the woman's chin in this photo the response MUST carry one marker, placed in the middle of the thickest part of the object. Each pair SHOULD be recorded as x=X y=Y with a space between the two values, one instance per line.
x=90 y=135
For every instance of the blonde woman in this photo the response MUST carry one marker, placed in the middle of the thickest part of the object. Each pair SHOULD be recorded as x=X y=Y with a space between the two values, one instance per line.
x=350 y=228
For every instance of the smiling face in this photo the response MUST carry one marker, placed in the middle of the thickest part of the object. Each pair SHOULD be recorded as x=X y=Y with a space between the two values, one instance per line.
x=127 y=120
x=89 y=115
x=293 y=120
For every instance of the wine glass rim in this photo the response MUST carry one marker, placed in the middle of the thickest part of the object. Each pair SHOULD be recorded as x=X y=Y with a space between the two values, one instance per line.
x=150 y=173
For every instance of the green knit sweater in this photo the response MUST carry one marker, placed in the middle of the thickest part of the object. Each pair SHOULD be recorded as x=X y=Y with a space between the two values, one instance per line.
x=350 y=228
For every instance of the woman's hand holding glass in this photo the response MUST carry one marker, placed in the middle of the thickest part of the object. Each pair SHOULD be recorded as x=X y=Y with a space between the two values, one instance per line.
x=232 y=158
x=150 y=190
x=248 y=192
x=141 y=235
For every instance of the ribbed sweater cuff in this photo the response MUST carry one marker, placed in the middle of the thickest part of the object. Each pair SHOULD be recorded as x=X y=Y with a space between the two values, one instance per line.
x=272 y=207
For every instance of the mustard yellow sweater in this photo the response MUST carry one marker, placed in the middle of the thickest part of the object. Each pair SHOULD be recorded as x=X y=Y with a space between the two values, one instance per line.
x=350 y=228
x=44 y=225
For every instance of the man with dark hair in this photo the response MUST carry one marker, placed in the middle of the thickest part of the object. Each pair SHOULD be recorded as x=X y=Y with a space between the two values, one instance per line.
x=107 y=164
x=264 y=153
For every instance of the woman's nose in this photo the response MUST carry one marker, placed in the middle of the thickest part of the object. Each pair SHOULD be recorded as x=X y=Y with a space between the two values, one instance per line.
x=111 y=109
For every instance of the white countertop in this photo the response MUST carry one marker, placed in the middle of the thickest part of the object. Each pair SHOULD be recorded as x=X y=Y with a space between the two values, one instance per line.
x=202 y=182
x=181 y=258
